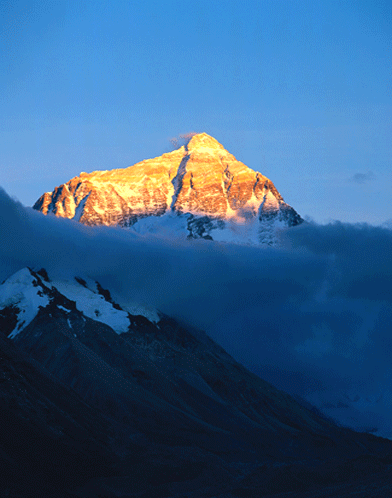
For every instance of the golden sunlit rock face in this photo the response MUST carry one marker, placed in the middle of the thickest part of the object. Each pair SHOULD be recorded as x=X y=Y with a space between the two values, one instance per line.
x=201 y=180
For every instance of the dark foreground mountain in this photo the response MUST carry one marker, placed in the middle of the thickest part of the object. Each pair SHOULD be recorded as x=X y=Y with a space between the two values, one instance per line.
x=102 y=400
x=197 y=191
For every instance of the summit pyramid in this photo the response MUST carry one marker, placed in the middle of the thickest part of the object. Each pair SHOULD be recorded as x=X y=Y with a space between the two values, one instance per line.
x=199 y=190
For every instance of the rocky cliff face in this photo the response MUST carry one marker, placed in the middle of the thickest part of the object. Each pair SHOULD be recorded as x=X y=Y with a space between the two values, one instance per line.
x=201 y=188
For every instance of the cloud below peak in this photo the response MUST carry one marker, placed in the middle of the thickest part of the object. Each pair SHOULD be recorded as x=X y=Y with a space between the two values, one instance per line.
x=313 y=316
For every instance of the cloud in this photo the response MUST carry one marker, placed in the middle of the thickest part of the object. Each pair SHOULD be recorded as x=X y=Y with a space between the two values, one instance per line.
x=312 y=316
x=181 y=140
x=362 y=178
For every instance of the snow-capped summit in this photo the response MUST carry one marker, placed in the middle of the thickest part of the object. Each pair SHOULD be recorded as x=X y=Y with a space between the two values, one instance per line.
x=199 y=190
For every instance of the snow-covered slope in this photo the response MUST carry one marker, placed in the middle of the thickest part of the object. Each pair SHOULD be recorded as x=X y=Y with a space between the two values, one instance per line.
x=199 y=191
x=26 y=292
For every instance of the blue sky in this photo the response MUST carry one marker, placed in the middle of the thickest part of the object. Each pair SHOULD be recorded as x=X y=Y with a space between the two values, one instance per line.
x=298 y=90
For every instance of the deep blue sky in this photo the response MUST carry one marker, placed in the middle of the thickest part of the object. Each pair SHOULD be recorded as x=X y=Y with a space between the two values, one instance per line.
x=299 y=90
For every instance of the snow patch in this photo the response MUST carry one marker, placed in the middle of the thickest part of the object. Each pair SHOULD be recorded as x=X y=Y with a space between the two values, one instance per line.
x=64 y=309
x=165 y=226
x=237 y=230
x=79 y=208
x=93 y=305
x=23 y=291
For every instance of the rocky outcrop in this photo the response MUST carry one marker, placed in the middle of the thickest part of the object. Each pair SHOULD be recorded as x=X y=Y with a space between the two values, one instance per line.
x=199 y=180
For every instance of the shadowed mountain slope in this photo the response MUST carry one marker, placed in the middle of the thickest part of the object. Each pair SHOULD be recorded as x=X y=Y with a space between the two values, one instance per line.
x=141 y=405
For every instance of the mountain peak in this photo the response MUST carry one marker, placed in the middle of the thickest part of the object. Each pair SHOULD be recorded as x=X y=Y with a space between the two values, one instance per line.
x=202 y=189
x=203 y=141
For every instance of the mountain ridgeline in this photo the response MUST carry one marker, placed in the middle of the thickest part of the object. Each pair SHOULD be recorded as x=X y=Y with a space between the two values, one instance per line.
x=197 y=191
